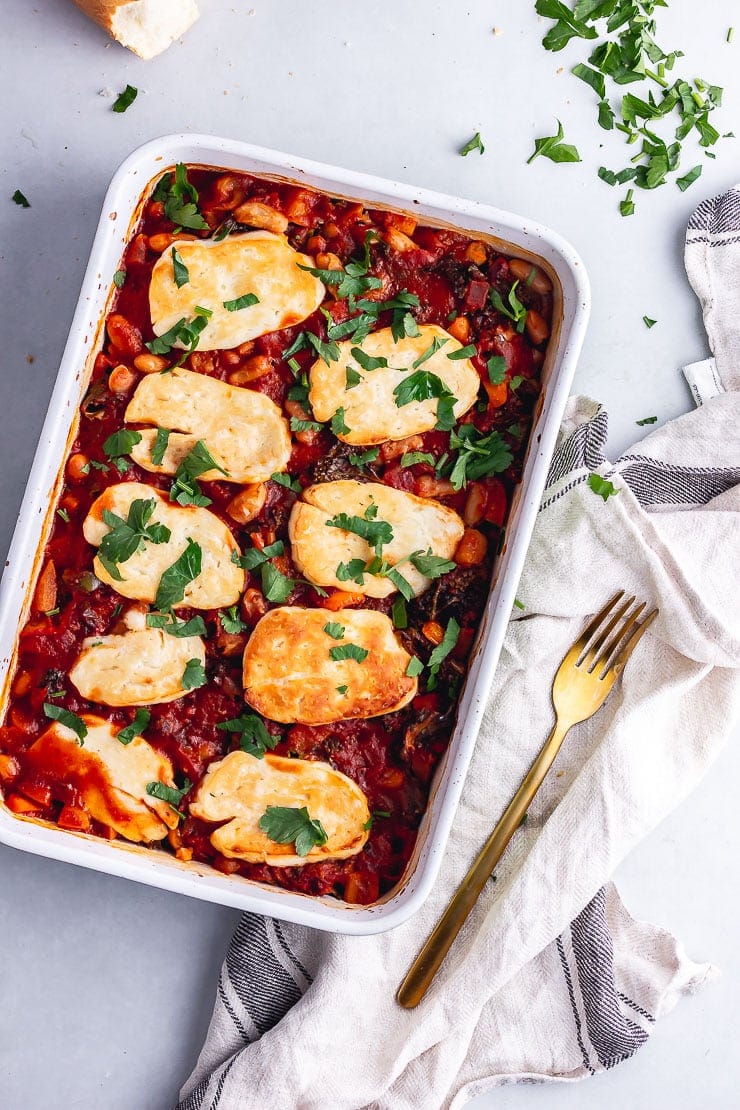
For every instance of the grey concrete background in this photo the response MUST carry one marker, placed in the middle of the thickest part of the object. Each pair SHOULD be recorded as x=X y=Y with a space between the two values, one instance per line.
x=106 y=986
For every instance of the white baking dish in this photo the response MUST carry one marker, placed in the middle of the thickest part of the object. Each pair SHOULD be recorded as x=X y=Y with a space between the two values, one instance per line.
x=120 y=211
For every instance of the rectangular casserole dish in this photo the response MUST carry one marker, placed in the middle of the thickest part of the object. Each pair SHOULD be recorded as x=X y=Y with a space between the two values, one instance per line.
x=120 y=213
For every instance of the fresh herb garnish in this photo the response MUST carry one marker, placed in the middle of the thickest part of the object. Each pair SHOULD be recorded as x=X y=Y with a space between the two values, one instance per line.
x=159 y=446
x=368 y=362
x=118 y=445
x=177 y=577
x=348 y=651
x=399 y=614
x=422 y=385
x=254 y=737
x=601 y=486
x=255 y=557
x=415 y=667
x=194 y=675
x=180 y=200
x=68 y=719
x=365 y=457
x=246 y=301
x=287 y=482
x=688 y=178
x=292 y=825
x=473 y=144
x=231 y=622
x=335 y=630
x=646 y=420
x=376 y=533
x=169 y=794
x=169 y=623
x=276 y=586
x=515 y=310
x=338 y=423
x=63 y=515
x=431 y=566
x=21 y=200
x=179 y=269
x=436 y=345
x=186 y=488
x=119 y=279
x=553 y=147
x=463 y=352
x=441 y=651
x=496 y=369
x=137 y=726
x=478 y=455
x=184 y=331
x=627 y=206
x=127 y=537
x=412 y=458
x=342 y=690
x=125 y=99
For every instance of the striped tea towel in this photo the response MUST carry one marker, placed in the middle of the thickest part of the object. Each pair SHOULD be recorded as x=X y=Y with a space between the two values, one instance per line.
x=551 y=977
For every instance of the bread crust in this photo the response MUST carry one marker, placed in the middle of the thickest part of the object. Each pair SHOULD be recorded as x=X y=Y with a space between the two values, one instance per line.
x=147 y=27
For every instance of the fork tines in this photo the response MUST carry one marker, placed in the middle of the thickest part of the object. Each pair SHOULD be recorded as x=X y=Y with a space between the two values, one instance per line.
x=613 y=634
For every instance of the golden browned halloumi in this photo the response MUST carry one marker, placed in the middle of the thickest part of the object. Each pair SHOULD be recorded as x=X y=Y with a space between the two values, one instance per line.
x=290 y=676
x=244 y=431
x=239 y=789
x=257 y=262
x=220 y=582
x=139 y=667
x=417 y=525
x=370 y=409
x=112 y=777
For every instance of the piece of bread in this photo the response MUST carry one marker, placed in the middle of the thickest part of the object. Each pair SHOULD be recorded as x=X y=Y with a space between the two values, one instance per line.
x=145 y=26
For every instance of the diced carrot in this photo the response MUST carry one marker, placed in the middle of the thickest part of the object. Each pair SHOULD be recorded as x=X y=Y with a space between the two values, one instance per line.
x=340 y=599
x=472 y=548
x=40 y=792
x=45 y=594
x=18 y=804
x=433 y=632
x=361 y=888
x=476 y=252
x=391 y=777
x=497 y=394
x=460 y=329
x=8 y=767
x=73 y=818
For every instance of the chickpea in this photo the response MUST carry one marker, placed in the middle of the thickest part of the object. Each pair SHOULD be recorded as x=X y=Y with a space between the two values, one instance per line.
x=121 y=379
x=150 y=364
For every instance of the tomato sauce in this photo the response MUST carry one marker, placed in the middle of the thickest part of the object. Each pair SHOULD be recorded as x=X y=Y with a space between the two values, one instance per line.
x=392 y=757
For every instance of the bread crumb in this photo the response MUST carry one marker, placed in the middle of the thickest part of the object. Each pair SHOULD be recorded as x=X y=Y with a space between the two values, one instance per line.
x=105 y=92
x=29 y=359
x=498 y=31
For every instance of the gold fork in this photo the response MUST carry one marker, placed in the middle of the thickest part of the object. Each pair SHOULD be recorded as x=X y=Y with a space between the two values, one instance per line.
x=585 y=677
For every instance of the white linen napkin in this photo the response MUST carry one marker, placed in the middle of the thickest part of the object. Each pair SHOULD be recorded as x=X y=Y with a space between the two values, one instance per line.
x=551 y=977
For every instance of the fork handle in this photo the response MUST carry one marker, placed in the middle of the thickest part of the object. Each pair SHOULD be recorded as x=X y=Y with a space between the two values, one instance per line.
x=427 y=963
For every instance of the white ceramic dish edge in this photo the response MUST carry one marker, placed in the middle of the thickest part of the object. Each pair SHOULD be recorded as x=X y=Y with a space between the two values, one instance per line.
x=160 y=870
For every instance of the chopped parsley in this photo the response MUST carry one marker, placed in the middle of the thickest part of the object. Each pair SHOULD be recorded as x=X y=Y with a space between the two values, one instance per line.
x=125 y=99
x=436 y=345
x=648 y=322
x=601 y=486
x=159 y=446
x=137 y=726
x=120 y=444
x=179 y=269
x=441 y=651
x=68 y=719
x=478 y=455
x=496 y=365
x=186 y=488
x=286 y=481
x=342 y=690
x=412 y=458
x=422 y=385
x=348 y=651
x=365 y=457
x=276 y=586
x=63 y=515
x=298 y=425
x=231 y=622
x=119 y=279
x=377 y=533
x=338 y=423
x=415 y=667
x=368 y=362
x=178 y=576
x=514 y=310
x=431 y=566
x=688 y=178
x=246 y=301
x=169 y=794
x=194 y=675
x=169 y=623
x=399 y=614
x=292 y=825
x=127 y=537
x=627 y=206
x=335 y=630
x=463 y=352
x=553 y=147
x=184 y=331
x=254 y=738
x=473 y=144
x=255 y=557
x=646 y=420
x=180 y=200
x=21 y=200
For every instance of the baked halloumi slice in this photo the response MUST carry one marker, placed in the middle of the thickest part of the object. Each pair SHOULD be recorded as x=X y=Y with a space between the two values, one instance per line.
x=417 y=525
x=220 y=273
x=371 y=412
x=240 y=787
x=295 y=670
x=244 y=431
x=220 y=581
x=111 y=776
x=139 y=667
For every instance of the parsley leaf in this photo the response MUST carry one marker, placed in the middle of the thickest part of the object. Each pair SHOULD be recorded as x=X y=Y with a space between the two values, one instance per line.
x=120 y=444
x=125 y=99
x=478 y=455
x=231 y=622
x=254 y=737
x=376 y=533
x=348 y=651
x=127 y=537
x=179 y=269
x=442 y=650
x=601 y=486
x=241 y=302
x=276 y=586
x=412 y=458
x=627 y=206
x=137 y=726
x=68 y=719
x=119 y=278
x=335 y=630
x=473 y=144
x=180 y=200
x=293 y=825
x=254 y=557
x=496 y=369
x=185 y=488
x=399 y=614
x=338 y=423
x=159 y=446
x=367 y=362
x=173 y=627
x=515 y=310
x=552 y=147
x=184 y=331
x=431 y=566
x=436 y=345
x=178 y=576
x=648 y=322
x=21 y=200
x=415 y=667
x=365 y=457
x=287 y=482
x=169 y=794
x=463 y=352
x=422 y=385
x=646 y=420
x=688 y=178
x=194 y=675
